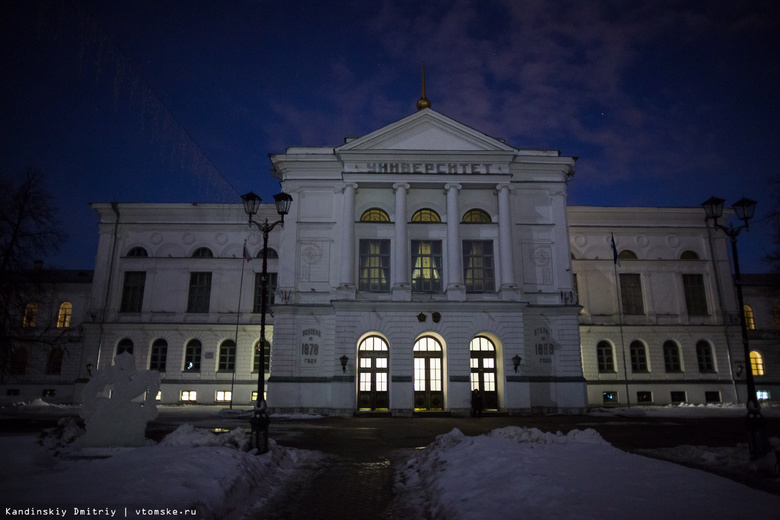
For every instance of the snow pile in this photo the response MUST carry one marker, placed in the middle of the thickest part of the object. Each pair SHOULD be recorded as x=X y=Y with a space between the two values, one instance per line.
x=191 y=469
x=520 y=472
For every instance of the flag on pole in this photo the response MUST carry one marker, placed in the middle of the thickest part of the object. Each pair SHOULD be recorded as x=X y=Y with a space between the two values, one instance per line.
x=615 y=258
x=247 y=256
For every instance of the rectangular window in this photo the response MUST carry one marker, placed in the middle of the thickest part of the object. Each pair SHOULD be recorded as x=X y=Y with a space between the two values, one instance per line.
x=189 y=395
x=678 y=397
x=426 y=266
x=695 y=297
x=159 y=356
x=133 y=291
x=223 y=396
x=270 y=295
x=479 y=273
x=644 y=397
x=374 y=275
x=712 y=397
x=609 y=397
x=631 y=294
x=227 y=357
x=200 y=292
x=638 y=357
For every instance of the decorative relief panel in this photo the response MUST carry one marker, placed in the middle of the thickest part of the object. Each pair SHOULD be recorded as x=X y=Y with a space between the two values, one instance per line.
x=314 y=261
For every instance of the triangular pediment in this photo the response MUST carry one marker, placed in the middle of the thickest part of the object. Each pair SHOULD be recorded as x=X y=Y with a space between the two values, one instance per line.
x=425 y=130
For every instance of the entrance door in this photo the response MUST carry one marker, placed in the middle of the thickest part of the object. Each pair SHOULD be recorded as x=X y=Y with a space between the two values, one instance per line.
x=428 y=393
x=483 y=371
x=373 y=357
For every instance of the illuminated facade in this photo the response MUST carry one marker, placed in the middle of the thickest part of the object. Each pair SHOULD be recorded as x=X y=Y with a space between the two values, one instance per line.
x=418 y=263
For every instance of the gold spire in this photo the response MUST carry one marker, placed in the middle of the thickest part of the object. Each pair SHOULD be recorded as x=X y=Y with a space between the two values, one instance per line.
x=423 y=102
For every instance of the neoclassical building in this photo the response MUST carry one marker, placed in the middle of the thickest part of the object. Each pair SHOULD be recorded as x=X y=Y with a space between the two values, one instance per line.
x=418 y=263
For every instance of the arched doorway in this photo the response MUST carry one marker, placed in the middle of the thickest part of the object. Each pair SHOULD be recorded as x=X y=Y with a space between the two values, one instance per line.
x=373 y=366
x=428 y=392
x=483 y=371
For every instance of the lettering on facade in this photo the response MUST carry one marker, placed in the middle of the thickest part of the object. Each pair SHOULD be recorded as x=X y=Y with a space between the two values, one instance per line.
x=426 y=167
x=310 y=347
x=544 y=347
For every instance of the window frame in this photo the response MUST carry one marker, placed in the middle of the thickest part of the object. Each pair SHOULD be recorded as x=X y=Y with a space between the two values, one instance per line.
x=374 y=265
x=199 y=294
x=486 y=281
x=672 y=357
x=431 y=262
x=695 y=294
x=133 y=287
x=631 y=297
x=605 y=363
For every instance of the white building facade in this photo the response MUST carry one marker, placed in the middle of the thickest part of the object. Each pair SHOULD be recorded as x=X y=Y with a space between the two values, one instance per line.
x=419 y=263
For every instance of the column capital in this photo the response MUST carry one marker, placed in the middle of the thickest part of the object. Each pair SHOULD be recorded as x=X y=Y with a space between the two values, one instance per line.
x=341 y=188
x=399 y=185
x=452 y=186
x=503 y=185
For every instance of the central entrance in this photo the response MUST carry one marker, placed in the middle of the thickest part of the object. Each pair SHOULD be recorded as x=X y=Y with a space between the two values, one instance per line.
x=483 y=371
x=373 y=359
x=428 y=393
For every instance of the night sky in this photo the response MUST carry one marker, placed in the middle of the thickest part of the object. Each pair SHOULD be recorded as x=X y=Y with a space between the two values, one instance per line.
x=665 y=103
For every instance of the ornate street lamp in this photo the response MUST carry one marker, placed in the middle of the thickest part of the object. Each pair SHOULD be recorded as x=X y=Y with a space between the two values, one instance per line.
x=260 y=419
x=744 y=209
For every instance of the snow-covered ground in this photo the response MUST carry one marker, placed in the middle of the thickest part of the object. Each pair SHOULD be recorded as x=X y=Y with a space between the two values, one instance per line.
x=512 y=472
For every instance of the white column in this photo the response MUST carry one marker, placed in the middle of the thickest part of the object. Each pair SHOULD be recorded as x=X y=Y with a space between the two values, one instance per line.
x=454 y=252
x=348 y=236
x=401 y=249
x=505 y=237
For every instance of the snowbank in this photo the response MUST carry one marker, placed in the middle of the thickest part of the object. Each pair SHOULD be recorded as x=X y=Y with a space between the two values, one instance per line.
x=191 y=469
x=523 y=472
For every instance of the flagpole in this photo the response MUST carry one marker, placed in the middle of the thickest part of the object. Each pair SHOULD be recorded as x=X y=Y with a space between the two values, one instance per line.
x=615 y=263
x=238 y=317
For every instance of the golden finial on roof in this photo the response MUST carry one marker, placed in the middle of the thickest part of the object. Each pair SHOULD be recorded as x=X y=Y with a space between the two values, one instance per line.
x=423 y=102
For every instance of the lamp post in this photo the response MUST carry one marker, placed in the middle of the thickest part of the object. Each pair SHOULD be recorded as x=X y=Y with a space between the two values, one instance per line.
x=744 y=209
x=260 y=420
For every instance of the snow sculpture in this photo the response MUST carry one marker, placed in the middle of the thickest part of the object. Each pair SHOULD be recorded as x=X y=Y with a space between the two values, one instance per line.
x=119 y=419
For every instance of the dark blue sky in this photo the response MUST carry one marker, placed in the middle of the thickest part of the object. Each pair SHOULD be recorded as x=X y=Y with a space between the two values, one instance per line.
x=665 y=103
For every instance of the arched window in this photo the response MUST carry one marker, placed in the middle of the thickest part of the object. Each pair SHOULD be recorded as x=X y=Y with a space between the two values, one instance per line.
x=124 y=345
x=137 y=252
x=159 y=355
x=19 y=361
x=266 y=358
x=483 y=371
x=426 y=215
x=227 y=356
x=63 y=316
x=30 y=314
x=689 y=255
x=374 y=215
x=672 y=357
x=428 y=362
x=373 y=371
x=476 y=216
x=756 y=363
x=705 y=357
x=54 y=363
x=203 y=252
x=638 y=357
x=192 y=356
x=750 y=319
x=627 y=254
x=605 y=357
x=272 y=254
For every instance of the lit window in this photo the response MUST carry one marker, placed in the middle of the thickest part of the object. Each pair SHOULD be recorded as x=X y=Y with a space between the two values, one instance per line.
x=750 y=319
x=63 y=316
x=426 y=215
x=374 y=271
x=374 y=215
x=254 y=396
x=756 y=363
x=224 y=395
x=189 y=395
x=762 y=395
x=426 y=266
x=476 y=216
x=606 y=359
x=30 y=314
x=158 y=397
